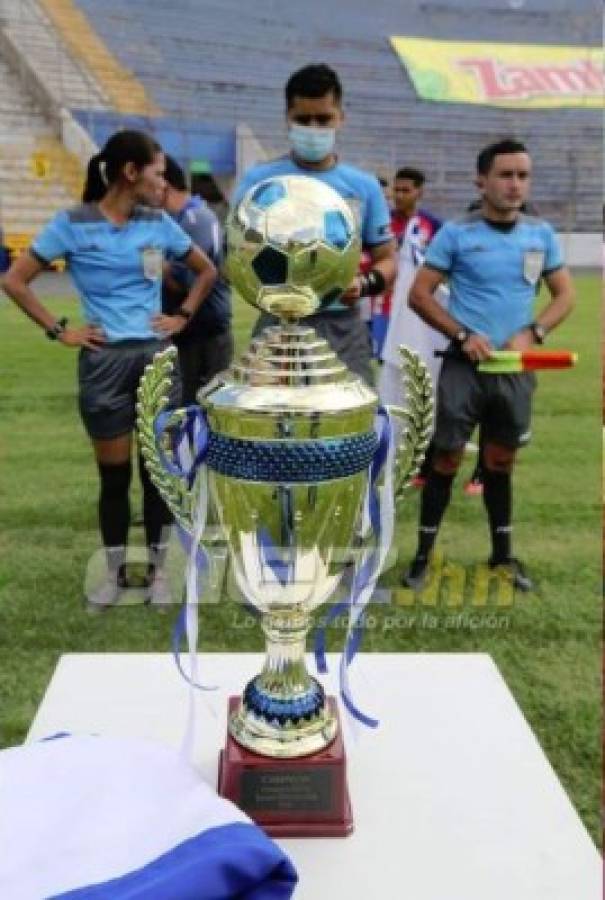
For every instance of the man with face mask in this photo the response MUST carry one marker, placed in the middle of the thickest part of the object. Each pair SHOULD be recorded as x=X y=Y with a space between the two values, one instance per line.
x=314 y=115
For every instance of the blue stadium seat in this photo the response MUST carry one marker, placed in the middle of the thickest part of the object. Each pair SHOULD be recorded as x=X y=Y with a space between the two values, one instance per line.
x=224 y=62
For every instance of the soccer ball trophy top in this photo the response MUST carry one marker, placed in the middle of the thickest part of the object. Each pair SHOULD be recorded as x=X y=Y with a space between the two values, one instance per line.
x=293 y=246
x=291 y=444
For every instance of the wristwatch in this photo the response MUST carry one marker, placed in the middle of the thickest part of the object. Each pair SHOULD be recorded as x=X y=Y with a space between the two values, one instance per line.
x=538 y=331
x=55 y=330
x=371 y=284
x=462 y=336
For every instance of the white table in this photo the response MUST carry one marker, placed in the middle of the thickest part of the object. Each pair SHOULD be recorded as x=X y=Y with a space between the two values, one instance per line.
x=452 y=796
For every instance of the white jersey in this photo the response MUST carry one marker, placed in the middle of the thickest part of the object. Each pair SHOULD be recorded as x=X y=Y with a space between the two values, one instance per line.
x=405 y=326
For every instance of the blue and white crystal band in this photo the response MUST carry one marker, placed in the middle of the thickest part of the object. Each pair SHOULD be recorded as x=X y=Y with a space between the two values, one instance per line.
x=284 y=709
x=291 y=461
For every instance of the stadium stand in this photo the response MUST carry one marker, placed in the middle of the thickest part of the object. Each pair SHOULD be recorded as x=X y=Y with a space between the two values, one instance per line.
x=125 y=92
x=195 y=73
x=225 y=61
x=37 y=175
x=29 y=29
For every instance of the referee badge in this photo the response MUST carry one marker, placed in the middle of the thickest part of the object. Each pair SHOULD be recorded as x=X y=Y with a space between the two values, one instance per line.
x=152 y=263
x=533 y=263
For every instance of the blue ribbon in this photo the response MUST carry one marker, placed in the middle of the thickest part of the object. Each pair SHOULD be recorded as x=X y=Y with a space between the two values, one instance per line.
x=282 y=568
x=363 y=575
x=191 y=434
x=189 y=440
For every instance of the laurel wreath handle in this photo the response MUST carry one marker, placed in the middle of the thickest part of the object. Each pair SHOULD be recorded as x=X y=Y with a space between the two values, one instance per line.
x=417 y=418
x=152 y=399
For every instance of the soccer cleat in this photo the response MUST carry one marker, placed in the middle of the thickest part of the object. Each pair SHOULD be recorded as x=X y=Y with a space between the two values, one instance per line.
x=158 y=592
x=416 y=575
x=107 y=594
x=473 y=488
x=513 y=569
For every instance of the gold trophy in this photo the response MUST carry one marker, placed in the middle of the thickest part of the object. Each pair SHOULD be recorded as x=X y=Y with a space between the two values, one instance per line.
x=291 y=439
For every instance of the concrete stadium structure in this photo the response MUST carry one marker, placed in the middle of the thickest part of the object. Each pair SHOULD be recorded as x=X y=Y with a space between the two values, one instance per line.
x=207 y=80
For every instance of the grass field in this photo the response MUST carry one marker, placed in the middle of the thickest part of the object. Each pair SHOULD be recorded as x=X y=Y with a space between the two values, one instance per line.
x=547 y=645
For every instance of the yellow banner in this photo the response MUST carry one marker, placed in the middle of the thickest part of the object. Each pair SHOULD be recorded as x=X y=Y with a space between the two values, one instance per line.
x=521 y=76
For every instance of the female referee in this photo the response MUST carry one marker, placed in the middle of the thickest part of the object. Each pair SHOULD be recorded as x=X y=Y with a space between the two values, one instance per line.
x=114 y=245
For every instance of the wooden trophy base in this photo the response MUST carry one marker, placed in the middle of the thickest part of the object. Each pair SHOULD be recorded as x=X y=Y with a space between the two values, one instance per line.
x=302 y=797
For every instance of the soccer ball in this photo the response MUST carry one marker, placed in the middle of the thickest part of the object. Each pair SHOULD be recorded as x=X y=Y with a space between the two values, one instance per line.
x=293 y=246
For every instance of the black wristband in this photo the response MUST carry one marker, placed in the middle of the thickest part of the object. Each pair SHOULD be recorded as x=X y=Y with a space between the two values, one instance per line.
x=185 y=313
x=58 y=328
x=373 y=283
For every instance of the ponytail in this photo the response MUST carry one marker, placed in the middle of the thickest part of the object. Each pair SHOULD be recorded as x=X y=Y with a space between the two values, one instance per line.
x=96 y=185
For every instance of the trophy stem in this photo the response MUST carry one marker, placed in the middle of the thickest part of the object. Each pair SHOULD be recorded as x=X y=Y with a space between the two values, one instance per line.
x=285 y=669
x=283 y=711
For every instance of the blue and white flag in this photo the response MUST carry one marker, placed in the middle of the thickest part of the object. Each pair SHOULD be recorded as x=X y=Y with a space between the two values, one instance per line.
x=94 y=818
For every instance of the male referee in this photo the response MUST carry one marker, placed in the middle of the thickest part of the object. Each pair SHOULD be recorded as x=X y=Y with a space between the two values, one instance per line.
x=492 y=260
x=314 y=115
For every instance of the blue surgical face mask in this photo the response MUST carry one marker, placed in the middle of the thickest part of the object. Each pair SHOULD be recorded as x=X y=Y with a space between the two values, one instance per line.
x=310 y=143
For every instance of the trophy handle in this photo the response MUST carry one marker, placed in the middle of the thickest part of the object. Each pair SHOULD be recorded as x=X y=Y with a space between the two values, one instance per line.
x=152 y=399
x=416 y=418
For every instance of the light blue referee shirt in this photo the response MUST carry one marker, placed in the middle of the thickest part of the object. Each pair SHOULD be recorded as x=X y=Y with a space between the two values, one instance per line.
x=492 y=274
x=360 y=189
x=117 y=269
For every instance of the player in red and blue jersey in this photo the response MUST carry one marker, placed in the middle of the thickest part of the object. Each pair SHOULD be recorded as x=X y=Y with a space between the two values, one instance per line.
x=407 y=221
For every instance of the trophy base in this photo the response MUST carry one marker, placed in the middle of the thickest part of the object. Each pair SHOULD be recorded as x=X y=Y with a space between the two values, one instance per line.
x=302 y=797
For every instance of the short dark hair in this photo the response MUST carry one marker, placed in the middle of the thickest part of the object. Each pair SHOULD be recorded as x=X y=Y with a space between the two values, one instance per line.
x=313 y=82
x=414 y=175
x=174 y=175
x=487 y=156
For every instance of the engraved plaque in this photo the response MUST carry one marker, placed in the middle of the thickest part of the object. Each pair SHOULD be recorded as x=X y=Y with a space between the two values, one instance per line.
x=285 y=790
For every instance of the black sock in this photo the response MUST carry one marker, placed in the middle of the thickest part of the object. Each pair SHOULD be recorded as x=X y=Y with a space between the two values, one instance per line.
x=435 y=499
x=157 y=519
x=479 y=466
x=425 y=468
x=497 y=497
x=114 y=503
x=477 y=472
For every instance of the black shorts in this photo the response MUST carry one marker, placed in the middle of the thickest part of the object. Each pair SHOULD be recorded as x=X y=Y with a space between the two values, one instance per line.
x=201 y=358
x=108 y=380
x=344 y=331
x=501 y=404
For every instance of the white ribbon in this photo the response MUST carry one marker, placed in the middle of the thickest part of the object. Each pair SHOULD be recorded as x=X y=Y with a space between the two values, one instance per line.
x=191 y=609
